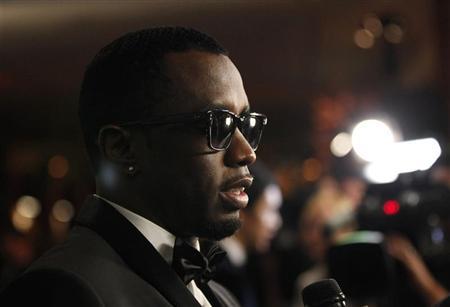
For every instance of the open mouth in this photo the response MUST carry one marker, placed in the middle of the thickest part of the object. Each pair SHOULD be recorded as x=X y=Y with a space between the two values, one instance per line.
x=237 y=197
x=234 y=194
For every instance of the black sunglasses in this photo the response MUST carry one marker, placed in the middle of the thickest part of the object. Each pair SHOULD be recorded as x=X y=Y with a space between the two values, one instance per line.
x=220 y=125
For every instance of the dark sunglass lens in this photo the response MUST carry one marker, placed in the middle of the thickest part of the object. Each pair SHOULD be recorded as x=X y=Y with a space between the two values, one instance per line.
x=252 y=129
x=222 y=129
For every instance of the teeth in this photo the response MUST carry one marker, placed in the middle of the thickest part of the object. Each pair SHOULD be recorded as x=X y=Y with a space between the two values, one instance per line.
x=237 y=190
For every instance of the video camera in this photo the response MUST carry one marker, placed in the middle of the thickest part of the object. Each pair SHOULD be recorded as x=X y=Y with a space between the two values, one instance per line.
x=417 y=209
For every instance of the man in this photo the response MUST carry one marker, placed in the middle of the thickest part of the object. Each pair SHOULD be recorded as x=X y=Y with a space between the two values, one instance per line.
x=168 y=130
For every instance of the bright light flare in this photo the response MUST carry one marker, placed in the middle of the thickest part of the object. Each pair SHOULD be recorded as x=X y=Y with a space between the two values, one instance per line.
x=380 y=173
x=414 y=155
x=403 y=157
x=370 y=138
x=341 y=144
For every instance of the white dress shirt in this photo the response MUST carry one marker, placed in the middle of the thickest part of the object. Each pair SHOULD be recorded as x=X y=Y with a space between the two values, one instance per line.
x=162 y=240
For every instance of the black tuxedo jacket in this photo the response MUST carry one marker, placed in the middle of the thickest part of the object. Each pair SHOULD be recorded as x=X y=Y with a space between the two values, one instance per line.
x=105 y=261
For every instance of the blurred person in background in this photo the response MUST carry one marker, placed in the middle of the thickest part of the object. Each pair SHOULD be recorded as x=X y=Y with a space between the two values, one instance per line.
x=320 y=225
x=243 y=272
x=401 y=248
x=170 y=136
x=328 y=219
x=326 y=216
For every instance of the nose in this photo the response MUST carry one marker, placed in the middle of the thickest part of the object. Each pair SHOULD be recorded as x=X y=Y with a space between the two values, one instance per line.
x=239 y=153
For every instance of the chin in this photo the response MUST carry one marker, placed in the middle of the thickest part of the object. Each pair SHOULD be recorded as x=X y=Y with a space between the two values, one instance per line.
x=219 y=230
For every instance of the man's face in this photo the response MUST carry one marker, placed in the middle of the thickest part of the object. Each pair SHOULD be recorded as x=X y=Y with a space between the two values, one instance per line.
x=188 y=188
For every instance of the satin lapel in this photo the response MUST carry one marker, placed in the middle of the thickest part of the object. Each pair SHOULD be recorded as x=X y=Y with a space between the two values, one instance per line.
x=209 y=293
x=135 y=250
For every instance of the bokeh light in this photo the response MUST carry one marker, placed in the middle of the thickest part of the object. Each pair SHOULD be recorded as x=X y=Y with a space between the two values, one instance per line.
x=391 y=207
x=311 y=169
x=373 y=24
x=341 y=144
x=371 y=138
x=379 y=173
x=28 y=207
x=63 y=211
x=58 y=167
x=393 y=33
x=364 y=39
x=21 y=223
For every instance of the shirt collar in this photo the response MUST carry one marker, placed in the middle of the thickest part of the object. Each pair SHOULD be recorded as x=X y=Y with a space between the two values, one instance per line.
x=162 y=240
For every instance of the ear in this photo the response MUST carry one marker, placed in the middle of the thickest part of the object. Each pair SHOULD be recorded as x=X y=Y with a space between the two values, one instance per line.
x=116 y=146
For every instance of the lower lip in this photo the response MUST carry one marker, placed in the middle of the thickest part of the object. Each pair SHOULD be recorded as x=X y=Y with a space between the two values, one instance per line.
x=237 y=200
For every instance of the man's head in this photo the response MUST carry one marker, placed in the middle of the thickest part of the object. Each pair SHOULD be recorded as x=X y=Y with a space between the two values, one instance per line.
x=166 y=169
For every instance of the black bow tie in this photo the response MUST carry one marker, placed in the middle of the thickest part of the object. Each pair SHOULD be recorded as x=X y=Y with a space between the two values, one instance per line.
x=190 y=264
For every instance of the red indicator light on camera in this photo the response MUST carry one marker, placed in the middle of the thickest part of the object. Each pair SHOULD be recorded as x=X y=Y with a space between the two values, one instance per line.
x=391 y=207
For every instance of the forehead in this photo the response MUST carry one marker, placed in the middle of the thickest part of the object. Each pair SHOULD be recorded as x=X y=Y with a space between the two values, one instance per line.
x=203 y=80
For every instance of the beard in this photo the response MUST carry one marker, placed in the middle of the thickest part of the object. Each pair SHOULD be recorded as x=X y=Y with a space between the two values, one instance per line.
x=218 y=230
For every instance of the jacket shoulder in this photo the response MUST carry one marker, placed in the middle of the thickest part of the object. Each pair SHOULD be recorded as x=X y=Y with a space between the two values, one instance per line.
x=50 y=287
x=82 y=271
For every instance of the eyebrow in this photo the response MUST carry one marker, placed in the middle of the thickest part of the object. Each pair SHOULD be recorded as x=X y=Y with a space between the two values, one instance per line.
x=224 y=107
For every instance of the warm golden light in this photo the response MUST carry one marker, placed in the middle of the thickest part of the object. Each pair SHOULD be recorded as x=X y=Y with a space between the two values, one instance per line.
x=393 y=33
x=311 y=169
x=21 y=223
x=364 y=39
x=58 y=167
x=373 y=24
x=63 y=211
x=28 y=207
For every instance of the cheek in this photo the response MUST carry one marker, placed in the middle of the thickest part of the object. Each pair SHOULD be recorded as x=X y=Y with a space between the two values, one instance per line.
x=203 y=177
x=206 y=169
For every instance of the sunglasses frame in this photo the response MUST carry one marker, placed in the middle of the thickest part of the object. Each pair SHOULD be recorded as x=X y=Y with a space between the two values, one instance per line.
x=199 y=116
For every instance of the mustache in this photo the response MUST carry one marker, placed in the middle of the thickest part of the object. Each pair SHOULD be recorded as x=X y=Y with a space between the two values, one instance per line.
x=241 y=180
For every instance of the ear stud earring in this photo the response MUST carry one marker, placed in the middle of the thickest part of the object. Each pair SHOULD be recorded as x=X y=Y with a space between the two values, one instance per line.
x=131 y=169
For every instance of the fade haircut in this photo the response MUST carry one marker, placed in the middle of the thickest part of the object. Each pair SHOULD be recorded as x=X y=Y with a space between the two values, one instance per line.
x=126 y=80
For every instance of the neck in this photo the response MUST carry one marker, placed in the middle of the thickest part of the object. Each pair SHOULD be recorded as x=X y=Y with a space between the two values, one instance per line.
x=128 y=198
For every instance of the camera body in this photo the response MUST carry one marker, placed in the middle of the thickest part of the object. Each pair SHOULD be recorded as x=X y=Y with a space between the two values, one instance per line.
x=417 y=209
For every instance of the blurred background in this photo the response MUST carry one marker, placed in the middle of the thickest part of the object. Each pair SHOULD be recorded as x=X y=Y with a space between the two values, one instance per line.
x=317 y=68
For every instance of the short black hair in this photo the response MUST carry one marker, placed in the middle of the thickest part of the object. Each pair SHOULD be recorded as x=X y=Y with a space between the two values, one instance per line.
x=126 y=79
